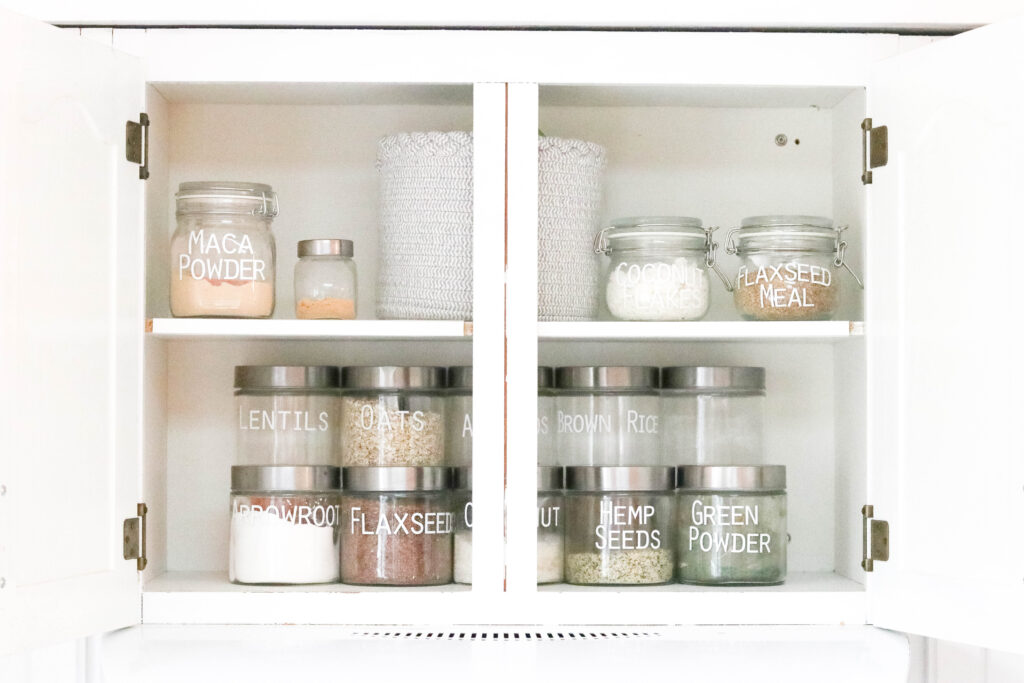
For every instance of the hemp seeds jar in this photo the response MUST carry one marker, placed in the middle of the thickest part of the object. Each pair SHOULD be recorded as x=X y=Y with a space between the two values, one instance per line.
x=732 y=525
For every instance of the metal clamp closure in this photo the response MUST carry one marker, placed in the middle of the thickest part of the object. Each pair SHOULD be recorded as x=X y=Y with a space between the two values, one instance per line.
x=840 y=260
x=601 y=242
x=711 y=256
x=269 y=207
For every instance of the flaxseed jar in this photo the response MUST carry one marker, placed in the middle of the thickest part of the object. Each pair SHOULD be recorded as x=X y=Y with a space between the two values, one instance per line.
x=789 y=267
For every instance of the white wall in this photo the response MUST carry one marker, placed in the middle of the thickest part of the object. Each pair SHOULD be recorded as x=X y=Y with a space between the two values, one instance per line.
x=939 y=661
x=61 y=663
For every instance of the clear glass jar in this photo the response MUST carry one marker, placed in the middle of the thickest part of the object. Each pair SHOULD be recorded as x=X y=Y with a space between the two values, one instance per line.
x=713 y=415
x=459 y=439
x=619 y=525
x=788 y=267
x=222 y=252
x=325 y=280
x=284 y=525
x=287 y=414
x=462 y=507
x=607 y=415
x=732 y=525
x=397 y=525
x=550 y=525
x=392 y=416
x=546 y=453
x=657 y=268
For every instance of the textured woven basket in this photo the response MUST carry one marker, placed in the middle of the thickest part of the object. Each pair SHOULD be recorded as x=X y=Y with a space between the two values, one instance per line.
x=426 y=231
x=568 y=211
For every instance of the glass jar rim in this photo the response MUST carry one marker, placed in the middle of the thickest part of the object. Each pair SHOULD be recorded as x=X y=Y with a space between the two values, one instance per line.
x=635 y=232
x=784 y=233
x=226 y=197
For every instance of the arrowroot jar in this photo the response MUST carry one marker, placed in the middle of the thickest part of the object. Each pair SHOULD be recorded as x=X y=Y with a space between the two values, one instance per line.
x=732 y=525
x=459 y=436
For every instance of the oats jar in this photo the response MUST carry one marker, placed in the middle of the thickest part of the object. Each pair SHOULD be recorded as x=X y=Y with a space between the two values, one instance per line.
x=789 y=267
x=732 y=525
x=393 y=416
x=619 y=525
x=325 y=280
x=222 y=251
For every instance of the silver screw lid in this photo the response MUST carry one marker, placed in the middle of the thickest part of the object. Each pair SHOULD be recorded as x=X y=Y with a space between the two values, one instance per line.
x=462 y=478
x=395 y=479
x=392 y=377
x=285 y=478
x=325 y=247
x=315 y=377
x=589 y=478
x=545 y=377
x=713 y=378
x=607 y=378
x=733 y=477
x=460 y=377
x=550 y=478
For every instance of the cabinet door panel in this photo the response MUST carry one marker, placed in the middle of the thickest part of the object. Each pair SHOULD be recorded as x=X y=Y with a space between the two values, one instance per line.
x=70 y=349
x=946 y=466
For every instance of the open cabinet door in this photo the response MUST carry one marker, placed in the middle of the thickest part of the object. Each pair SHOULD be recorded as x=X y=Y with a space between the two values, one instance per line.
x=946 y=465
x=71 y=321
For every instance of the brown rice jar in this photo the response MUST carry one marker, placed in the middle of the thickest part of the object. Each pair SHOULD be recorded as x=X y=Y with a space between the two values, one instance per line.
x=396 y=526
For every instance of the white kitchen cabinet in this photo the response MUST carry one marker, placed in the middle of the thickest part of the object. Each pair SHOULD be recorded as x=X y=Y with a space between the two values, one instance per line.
x=905 y=404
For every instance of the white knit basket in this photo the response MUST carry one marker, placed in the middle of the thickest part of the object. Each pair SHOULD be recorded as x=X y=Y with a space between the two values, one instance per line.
x=568 y=214
x=426 y=226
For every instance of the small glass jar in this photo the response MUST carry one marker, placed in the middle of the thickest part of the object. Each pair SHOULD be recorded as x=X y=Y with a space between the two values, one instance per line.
x=788 y=267
x=619 y=525
x=222 y=252
x=607 y=416
x=397 y=525
x=713 y=415
x=546 y=453
x=287 y=414
x=657 y=268
x=550 y=525
x=284 y=525
x=392 y=416
x=462 y=508
x=459 y=439
x=325 y=280
x=732 y=525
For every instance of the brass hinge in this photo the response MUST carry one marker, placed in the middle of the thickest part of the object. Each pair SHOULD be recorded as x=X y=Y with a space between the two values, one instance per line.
x=135 y=537
x=136 y=144
x=876 y=539
x=875 y=148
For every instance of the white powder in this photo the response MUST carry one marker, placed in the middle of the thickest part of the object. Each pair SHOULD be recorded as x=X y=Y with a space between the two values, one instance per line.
x=464 y=556
x=659 y=290
x=268 y=549
x=550 y=558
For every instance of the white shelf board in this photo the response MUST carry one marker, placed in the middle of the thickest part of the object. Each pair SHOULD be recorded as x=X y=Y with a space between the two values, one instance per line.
x=703 y=330
x=208 y=598
x=275 y=329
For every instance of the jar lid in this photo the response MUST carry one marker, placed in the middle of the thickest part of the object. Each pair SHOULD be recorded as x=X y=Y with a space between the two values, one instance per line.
x=392 y=377
x=462 y=478
x=285 y=478
x=286 y=377
x=325 y=247
x=223 y=196
x=784 y=233
x=590 y=478
x=396 y=479
x=637 y=232
x=545 y=377
x=733 y=477
x=713 y=378
x=460 y=377
x=607 y=378
x=550 y=478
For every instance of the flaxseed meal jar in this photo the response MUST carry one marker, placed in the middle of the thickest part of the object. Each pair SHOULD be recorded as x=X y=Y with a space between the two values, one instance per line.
x=789 y=267
x=732 y=525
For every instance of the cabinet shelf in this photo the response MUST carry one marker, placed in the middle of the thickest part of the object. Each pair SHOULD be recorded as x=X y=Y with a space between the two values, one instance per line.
x=707 y=330
x=208 y=598
x=284 y=330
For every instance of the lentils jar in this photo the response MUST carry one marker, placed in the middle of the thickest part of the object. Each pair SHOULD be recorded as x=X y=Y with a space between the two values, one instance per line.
x=284 y=524
x=619 y=525
x=287 y=414
x=223 y=252
x=713 y=415
x=657 y=268
x=788 y=267
x=392 y=416
x=397 y=525
x=325 y=280
x=732 y=525
x=459 y=437
x=550 y=525
x=546 y=454
x=462 y=508
x=607 y=415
